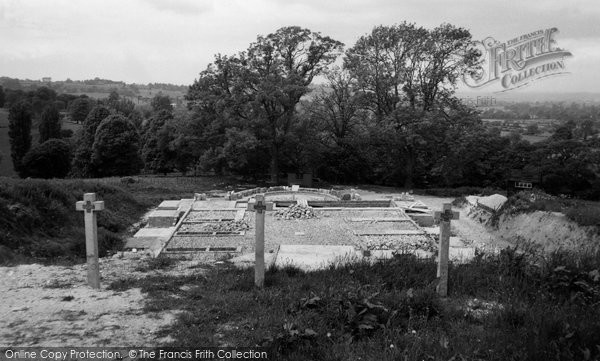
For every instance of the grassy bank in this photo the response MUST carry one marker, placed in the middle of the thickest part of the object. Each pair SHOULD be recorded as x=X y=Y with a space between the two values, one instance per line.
x=511 y=306
x=584 y=213
x=38 y=221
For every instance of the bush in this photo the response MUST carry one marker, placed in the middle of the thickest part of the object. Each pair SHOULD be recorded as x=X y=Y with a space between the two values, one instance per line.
x=51 y=159
x=585 y=215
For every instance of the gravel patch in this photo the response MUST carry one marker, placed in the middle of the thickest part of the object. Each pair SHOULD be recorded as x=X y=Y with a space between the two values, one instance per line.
x=196 y=216
x=227 y=226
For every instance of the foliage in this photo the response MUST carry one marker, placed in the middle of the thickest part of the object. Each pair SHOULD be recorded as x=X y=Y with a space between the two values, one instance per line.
x=19 y=132
x=261 y=87
x=585 y=215
x=115 y=151
x=51 y=159
x=2 y=97
x=82 y=157
x=511 y=305
x=49 y=126
x=80 y=108
x=157 y=153
x=161 y=102
x=388 y=116
x=123 y=106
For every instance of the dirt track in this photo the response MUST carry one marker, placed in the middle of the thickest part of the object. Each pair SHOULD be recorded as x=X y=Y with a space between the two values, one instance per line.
x=53 y=306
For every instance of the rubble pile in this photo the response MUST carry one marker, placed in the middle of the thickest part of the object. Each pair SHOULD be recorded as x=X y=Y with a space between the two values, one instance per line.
x=229 y=226
x=400 y=243
x=296 y=211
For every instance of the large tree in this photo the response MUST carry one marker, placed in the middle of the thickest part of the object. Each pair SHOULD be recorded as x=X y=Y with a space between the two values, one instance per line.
x=261 y=87
x=115 y=151
x=49 y=126
x=80 y=108
x=157 y=153
x=408 y=75
x=83 y=152
x=19 y=132
x=161 y=102
x=51 y=159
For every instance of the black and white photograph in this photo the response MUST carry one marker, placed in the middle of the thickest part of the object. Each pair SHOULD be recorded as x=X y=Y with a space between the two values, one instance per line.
x=300 y=180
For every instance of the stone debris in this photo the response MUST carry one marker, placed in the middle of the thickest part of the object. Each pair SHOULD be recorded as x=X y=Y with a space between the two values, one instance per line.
x=493 y=202
x=400 y=243
x=296 y=211
x=479 y=309
x=229 y=226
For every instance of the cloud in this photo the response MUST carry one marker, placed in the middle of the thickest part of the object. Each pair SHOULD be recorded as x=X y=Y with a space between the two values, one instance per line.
x=173 y=40
x=181 y=7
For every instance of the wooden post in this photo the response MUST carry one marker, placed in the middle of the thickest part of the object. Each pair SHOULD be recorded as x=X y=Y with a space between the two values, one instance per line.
x=444 y=218
x=260 y=206
x=90 y=206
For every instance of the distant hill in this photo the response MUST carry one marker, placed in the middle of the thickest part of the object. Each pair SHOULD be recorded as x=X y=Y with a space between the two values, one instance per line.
x=526 y=97
x=99 y=88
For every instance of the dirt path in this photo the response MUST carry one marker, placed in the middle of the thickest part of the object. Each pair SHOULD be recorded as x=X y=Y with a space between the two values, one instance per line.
x=53 y=306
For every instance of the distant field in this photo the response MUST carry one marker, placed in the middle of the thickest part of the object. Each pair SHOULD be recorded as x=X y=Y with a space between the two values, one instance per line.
x=6 y=167
x=529 y=138
x=143 y=93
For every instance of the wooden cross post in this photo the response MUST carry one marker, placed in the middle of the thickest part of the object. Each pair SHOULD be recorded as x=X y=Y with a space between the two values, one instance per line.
x=90 y=206
x=444 y=218
x=260 y=206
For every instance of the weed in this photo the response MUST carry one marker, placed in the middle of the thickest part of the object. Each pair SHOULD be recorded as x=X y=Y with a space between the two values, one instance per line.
x=369 y=311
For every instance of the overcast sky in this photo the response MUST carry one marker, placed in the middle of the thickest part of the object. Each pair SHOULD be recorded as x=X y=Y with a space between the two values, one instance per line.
x=171 y=41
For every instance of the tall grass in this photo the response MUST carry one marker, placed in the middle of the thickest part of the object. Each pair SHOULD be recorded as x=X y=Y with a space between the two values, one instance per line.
x=510 y=306
x=38 y=217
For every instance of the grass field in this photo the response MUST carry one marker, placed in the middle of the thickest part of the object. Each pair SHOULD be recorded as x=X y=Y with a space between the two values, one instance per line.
x=528 y=137
x=6 y=167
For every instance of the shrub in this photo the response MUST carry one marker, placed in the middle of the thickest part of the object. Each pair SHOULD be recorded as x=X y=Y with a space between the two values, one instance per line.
x=585 y=215
x=51 y=159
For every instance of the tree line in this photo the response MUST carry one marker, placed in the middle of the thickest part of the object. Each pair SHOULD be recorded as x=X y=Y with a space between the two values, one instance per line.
x=382 y=111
